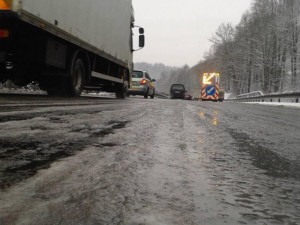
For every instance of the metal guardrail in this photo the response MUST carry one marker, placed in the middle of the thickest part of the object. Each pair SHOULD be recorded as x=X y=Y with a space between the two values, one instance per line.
x=282 y=97
x=286 y=97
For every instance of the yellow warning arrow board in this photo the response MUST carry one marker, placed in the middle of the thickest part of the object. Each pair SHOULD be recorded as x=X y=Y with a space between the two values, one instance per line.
x=208 y=77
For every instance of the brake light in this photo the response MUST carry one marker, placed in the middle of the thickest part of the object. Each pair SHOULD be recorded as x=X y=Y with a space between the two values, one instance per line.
x=143 y=81
x=4 y=33
x=5 y=4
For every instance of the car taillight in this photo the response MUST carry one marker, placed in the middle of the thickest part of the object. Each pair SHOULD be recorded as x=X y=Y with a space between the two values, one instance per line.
x=5 y=4
x=4 y=33
x=143 y=81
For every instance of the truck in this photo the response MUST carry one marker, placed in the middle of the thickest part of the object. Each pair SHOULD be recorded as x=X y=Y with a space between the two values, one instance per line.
x=68 y=46
x=211 y=90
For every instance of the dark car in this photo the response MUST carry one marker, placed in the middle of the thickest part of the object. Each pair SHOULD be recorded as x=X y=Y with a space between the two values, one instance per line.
x=177 y=91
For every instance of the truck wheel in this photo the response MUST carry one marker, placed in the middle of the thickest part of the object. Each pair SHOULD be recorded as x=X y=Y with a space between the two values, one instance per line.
x=121 y=92
x=76 y=80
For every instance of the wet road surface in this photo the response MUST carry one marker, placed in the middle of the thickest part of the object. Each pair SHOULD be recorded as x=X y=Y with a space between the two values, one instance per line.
x=107 y=161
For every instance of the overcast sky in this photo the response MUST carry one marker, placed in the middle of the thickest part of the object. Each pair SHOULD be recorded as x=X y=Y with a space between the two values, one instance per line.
x=178 y=31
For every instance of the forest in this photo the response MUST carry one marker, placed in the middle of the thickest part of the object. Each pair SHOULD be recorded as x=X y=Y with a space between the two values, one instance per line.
x=260 y=53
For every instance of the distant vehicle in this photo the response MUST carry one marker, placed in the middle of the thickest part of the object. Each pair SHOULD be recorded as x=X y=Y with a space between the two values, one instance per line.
x=188 y=97
x=141 y=84
x=68 y=46
x=177 y=91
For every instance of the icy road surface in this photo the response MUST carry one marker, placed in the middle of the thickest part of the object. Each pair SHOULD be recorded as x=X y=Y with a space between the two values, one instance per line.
x=141 y=162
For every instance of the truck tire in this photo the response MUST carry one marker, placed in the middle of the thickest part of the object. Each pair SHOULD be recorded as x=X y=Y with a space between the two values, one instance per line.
x=76 y=81
x=121 y=93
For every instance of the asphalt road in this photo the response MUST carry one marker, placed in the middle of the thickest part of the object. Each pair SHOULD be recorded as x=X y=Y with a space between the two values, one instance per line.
x=137 y=161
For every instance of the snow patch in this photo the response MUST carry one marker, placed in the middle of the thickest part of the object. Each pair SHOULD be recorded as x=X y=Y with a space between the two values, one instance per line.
x=282 y=104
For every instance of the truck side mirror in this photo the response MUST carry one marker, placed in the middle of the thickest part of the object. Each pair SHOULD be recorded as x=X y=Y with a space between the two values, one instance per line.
x=141 y=30
x=142 y=41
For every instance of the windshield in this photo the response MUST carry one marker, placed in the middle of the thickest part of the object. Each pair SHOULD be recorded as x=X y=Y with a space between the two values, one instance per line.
x=137 y=74
x=178 y=87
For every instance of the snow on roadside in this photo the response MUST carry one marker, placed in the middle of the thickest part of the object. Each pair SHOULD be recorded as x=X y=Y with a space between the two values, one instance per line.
x=282 y=104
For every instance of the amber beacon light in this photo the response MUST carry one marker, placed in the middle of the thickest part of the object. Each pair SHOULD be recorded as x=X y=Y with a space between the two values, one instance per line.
x=5 y=4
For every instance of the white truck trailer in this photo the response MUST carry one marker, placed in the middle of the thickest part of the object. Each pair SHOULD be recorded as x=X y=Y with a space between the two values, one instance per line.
x=68 y=45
